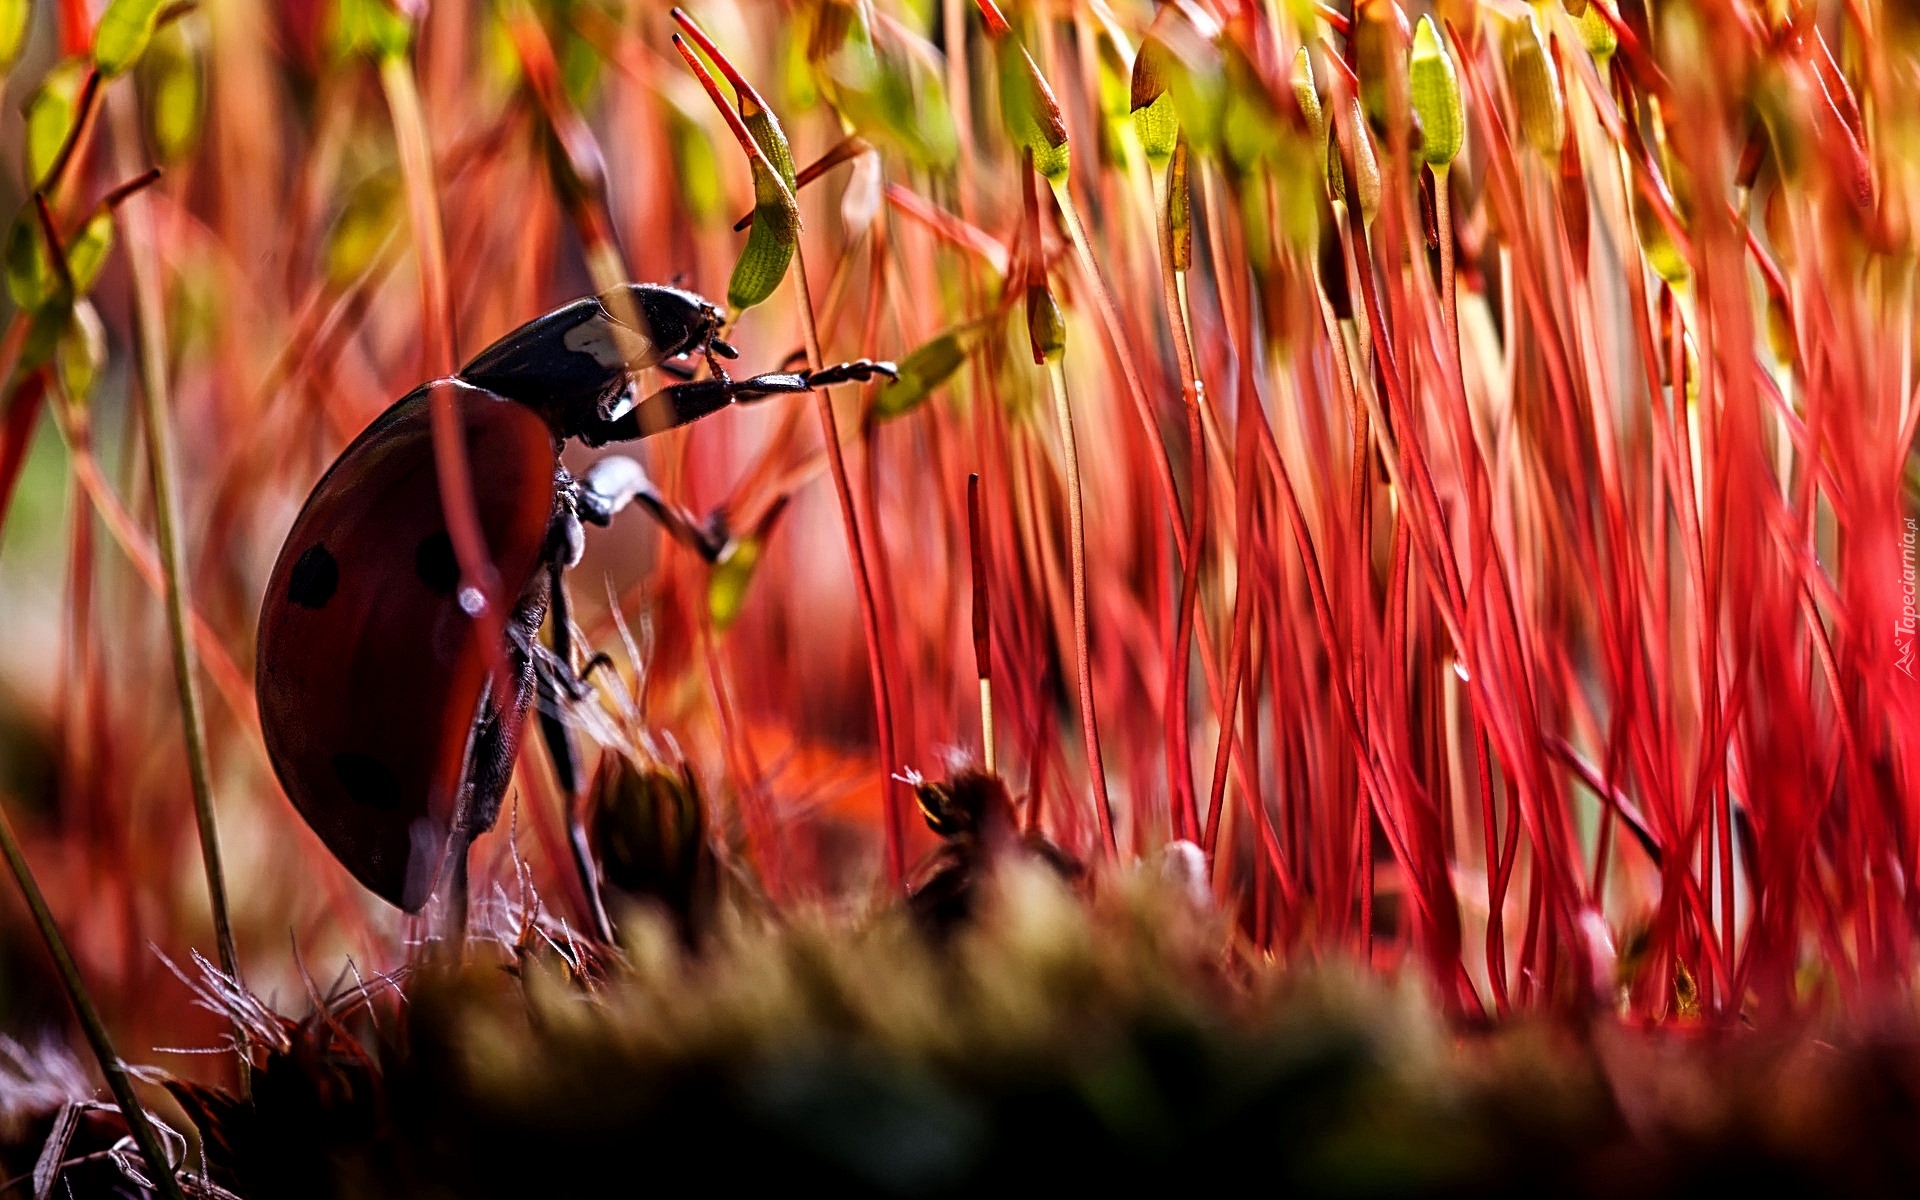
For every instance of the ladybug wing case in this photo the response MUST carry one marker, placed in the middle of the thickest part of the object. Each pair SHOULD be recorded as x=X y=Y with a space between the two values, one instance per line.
x=370 y=674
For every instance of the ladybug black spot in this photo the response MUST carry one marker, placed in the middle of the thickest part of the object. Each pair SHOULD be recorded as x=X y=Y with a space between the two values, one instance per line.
x=314 y=578
x=367 y=780
x=434 y=563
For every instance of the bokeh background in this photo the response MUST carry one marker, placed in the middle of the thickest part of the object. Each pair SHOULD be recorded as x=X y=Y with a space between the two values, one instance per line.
x=1542 y=626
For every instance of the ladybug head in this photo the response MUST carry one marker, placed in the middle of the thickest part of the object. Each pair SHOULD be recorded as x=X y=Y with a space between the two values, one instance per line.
x=676 y=321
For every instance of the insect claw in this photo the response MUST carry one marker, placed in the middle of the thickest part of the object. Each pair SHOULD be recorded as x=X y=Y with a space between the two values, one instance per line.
x=722 y=348
x=858 y=371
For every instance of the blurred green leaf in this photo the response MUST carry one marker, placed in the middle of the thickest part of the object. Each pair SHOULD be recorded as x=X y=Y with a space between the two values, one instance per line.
x=1298 y=209
x=1370 y=46
x=1198 y=86
x=81 y=352
x=175 y=91
x=927 y=368
x=370 y=28
x=1251 y=128
x=696 y=165
x=364 y=225
x=1536 y=87
x=88 y=249
x=727 y=585
x=123 y=33
x=50 y=112
x=13 y=29
x=888 y=84
x=1115 y=79
x=580 y=64
x=30 y=279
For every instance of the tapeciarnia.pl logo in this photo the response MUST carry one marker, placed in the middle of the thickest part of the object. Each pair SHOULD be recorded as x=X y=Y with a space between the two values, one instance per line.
x=1904 y=627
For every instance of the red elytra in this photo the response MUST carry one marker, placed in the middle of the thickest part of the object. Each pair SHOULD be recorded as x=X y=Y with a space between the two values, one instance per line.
x=373 y=680
x=370 y=668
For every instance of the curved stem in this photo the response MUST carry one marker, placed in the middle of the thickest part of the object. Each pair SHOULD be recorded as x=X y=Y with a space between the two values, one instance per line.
x=151 y=366
x=1186 y=817
x=863 y=587
x=118 y=1079
x=1077 y=532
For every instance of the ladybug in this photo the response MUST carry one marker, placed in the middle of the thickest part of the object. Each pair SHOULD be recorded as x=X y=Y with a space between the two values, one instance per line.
x=376 y=686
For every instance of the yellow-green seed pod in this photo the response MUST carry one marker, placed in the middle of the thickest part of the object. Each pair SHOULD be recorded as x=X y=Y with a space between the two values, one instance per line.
x=1148 y=81
x=1306 y=95
x=772 y=140
x=1046 y=326
x=1032 y=115
x=1182 y=60
x=1656 y=242
x=1596 y=34
x=1158 y=128
x=1155 y=120
x=770 y=243
x=1435 y=92
x=1372 y=42
x=1366 y=167
x=1780 y=338
x=1536 y=87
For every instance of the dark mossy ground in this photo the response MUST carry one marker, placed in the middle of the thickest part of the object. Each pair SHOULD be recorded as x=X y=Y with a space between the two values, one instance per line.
x=1118 y=1045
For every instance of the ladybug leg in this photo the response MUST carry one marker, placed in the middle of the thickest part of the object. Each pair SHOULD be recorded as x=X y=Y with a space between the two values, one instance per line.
x=493 y=745
x=562 y=751
x=617 y=481
x=680 y=403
